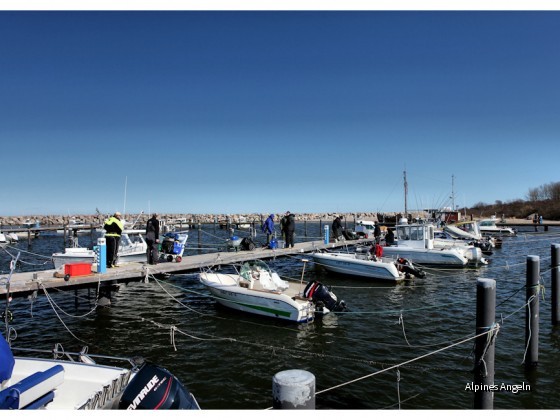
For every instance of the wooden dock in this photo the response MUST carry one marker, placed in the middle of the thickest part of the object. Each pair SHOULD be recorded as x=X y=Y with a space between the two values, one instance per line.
x=28 y=283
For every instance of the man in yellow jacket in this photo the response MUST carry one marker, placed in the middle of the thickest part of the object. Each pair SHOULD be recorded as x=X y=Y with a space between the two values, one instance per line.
x=113 y=229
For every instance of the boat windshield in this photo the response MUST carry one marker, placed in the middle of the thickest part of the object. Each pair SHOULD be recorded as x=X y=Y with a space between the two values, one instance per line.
x=410 y=233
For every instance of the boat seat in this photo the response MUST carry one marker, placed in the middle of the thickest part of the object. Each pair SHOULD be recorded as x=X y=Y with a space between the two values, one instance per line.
x=32 y=392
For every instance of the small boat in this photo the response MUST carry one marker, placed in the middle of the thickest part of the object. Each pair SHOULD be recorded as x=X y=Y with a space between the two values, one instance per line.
x=132 y=248
x=4 y=241
x=256 y=289
x=79 y=383
x=415 y=242
x=470 y=231
x=489 y=227
x=31 y=224
x=367 y=265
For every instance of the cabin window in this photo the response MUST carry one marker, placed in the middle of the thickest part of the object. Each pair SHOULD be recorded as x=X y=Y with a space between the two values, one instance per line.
x=403 y=233
x=417 y=233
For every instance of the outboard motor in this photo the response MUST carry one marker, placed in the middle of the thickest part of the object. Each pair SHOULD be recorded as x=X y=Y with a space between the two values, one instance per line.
x=322 y=296
x=155 y=388
x=406 y=267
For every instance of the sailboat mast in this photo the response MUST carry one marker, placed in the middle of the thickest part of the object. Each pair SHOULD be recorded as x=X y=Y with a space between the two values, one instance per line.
x=405 y=195
x=453 y=192
x=124 y=205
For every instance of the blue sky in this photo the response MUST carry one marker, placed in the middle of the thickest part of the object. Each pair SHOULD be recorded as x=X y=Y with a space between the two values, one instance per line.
x=256 y=111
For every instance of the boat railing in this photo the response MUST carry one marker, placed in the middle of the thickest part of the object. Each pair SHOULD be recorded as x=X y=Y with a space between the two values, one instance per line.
x=81 y=357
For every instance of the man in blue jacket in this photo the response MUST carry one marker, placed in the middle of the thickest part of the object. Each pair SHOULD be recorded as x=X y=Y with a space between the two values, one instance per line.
x=268 y=228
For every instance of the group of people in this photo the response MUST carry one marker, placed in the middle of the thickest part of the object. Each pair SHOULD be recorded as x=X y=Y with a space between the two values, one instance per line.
x=113 y=230
x=287 y=229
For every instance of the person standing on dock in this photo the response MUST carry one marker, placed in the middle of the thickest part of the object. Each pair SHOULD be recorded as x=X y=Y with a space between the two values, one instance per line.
x=290 y=228
x=337 y=228
x=283 y=223
x=113 y=229
x=268 y=228
x=376 y=232
x=152 y=239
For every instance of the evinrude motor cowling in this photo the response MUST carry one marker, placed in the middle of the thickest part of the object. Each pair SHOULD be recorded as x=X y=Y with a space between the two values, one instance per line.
x=322 y=296
x=155 y=388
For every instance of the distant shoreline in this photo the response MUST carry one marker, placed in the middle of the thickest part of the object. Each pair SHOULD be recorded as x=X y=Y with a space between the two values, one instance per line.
x=188 y=218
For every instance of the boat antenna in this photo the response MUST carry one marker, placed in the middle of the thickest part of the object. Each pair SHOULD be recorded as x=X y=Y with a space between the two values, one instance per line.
x=7 y=313
x=302 y=272
x=405 y=196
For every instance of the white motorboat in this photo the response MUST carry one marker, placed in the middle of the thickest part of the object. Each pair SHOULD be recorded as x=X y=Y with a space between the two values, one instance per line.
x=79 y=383
x=470 y=231
x=4 y=241
x=415 y=242
x=132 y=248
x=256 y=289
x=366 y=265
x=488 y=227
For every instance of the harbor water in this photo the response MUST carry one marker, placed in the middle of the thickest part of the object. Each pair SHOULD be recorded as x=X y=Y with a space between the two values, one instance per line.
x=175 y=323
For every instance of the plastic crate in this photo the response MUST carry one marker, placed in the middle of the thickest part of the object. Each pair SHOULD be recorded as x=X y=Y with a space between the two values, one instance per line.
x=77 y=269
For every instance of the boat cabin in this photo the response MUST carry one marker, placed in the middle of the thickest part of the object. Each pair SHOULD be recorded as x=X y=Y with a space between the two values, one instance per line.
x=415 y=235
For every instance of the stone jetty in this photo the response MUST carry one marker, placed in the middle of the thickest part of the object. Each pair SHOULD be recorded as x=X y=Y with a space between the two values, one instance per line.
x=189 y=218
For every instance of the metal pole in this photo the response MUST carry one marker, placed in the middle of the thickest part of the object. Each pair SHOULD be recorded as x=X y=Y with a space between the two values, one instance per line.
x=199 y=245
x=532 y=311
x=555 y=260
x=484 y=345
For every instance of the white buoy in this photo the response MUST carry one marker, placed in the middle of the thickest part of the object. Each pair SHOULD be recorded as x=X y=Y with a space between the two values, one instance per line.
x=293 y=390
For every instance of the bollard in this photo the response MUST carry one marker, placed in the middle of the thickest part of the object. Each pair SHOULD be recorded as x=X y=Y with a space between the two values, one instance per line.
x=326 y=236
x=532 y=311
x=293 y=390
x=484 y=350
x=555 y=290
x=101 y=251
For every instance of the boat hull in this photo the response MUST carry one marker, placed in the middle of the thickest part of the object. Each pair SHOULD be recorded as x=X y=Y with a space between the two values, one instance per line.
x=259 y=302
x=445 y=257
x=349 y=265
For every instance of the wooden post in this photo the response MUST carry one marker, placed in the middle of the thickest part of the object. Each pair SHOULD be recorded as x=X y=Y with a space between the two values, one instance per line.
x=532 y=311
x=555 y=270
x=199 y=244
x=484 y=345
x=293 y=389
x=305 y=227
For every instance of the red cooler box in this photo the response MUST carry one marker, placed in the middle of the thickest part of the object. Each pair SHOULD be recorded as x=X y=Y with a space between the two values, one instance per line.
x=77 y=269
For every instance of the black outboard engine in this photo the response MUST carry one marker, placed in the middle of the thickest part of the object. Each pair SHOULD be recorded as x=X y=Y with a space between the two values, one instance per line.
x=155 y=388
x=406 y=267
x=321 y=296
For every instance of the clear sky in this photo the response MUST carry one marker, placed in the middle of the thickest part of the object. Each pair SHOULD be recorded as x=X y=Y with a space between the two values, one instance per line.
x=268 y=111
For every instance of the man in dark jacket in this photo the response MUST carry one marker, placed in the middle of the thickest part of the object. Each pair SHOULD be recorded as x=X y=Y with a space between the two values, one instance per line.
x=113 y=229
x=152 y=239
x=337 y=229
x=290 y=228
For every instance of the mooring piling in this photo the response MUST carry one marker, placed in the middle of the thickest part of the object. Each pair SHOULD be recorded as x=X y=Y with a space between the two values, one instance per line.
x=293 y=389
x=532 y=311
x=484 y=345
x=555 y=290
